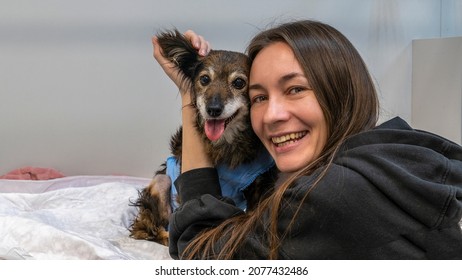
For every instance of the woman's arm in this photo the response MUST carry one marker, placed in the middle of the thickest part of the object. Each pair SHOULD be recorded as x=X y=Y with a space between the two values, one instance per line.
x=203 y=208
x=193 y=150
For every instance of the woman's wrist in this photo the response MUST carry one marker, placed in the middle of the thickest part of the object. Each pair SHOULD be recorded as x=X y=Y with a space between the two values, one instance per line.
x=185 y=99
x=190 y=105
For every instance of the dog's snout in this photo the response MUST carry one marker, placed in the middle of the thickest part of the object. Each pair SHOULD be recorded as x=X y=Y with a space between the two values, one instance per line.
x=215 y=106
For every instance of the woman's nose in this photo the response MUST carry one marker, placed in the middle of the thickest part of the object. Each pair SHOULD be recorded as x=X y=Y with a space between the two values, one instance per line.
x=276 y=111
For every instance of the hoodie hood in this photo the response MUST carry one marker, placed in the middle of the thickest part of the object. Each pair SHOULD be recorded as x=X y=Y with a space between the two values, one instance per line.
x=418 y=171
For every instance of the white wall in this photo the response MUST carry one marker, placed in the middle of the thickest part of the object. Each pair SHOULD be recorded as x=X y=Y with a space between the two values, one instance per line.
x=80 y=92
x=437 y=86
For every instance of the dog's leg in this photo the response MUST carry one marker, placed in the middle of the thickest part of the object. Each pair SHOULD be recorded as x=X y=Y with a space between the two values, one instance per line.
x=154 y=211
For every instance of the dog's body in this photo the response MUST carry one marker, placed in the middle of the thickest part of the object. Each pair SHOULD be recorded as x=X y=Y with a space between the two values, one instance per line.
x=219 y=92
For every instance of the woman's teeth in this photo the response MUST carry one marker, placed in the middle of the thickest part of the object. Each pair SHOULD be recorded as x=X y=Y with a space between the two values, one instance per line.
x=288 y=139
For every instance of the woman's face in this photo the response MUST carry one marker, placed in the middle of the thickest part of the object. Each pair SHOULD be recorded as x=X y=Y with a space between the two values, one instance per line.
x=285 y=113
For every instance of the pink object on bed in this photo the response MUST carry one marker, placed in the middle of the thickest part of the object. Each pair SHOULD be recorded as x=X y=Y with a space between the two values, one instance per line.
x=32 y=173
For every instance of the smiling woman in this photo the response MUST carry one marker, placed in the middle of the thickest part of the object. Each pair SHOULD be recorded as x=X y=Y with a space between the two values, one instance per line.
x=348 y=189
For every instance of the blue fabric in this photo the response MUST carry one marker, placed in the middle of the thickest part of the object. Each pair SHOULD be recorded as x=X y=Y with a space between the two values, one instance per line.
x=232 y=181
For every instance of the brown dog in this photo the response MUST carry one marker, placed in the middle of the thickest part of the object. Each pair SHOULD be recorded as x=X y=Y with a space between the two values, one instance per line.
x=219 y=85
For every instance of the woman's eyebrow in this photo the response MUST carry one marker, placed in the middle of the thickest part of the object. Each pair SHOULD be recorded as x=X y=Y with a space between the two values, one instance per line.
x=281 y=80
x=255 y=86
x=290 y=76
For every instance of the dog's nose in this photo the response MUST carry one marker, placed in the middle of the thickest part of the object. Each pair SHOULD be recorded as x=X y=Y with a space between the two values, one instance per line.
x=214 y=111
x=215 y=107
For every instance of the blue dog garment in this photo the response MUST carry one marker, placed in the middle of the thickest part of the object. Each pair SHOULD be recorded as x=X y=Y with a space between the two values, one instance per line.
x=233 y=182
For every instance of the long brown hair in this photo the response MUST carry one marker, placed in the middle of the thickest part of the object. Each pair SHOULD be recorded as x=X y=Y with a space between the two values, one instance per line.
x=346 y=94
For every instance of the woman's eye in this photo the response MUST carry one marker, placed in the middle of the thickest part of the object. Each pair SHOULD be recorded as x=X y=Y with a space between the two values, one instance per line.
x=204 y=80
x=295 y=90
x=258 y=99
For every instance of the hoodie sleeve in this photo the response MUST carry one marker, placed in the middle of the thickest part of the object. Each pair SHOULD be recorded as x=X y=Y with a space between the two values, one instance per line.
x=202 y=207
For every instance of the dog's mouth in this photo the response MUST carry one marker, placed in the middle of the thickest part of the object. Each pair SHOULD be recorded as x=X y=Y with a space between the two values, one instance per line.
x=214 y=128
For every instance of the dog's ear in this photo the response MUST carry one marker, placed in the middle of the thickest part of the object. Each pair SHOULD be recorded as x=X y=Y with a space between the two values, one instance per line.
x=180 y=51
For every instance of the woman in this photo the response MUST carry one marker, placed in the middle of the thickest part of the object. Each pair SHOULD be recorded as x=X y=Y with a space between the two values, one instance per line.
x=350 y=190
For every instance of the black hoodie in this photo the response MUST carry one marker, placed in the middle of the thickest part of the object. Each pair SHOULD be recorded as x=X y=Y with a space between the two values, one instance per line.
x=391 y=193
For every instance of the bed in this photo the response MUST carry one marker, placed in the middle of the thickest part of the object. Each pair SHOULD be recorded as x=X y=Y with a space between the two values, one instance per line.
x=76 y=217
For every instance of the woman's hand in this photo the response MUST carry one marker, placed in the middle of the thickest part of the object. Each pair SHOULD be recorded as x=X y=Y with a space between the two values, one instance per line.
x=202 y=46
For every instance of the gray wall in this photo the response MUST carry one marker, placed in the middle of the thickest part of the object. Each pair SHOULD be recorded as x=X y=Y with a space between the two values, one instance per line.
x=80 y=91
x=437 y=86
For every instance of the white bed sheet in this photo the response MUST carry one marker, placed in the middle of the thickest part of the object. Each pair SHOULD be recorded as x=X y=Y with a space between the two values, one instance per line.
x=81 y=217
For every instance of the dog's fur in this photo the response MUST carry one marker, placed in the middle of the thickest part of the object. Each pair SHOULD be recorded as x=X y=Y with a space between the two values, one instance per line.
x=219 y=83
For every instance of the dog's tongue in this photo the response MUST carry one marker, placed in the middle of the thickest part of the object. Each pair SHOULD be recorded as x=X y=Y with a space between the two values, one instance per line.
x=214 y=129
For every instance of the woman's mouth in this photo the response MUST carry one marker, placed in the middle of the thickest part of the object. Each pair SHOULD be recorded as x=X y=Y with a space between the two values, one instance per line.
x=281 y=141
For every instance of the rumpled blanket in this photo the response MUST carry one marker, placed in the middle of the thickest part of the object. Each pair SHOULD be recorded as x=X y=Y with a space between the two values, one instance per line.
x=81 y=217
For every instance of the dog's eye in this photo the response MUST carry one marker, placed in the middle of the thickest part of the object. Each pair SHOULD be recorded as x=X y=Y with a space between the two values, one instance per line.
x=239 y=83
x=204 y=79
